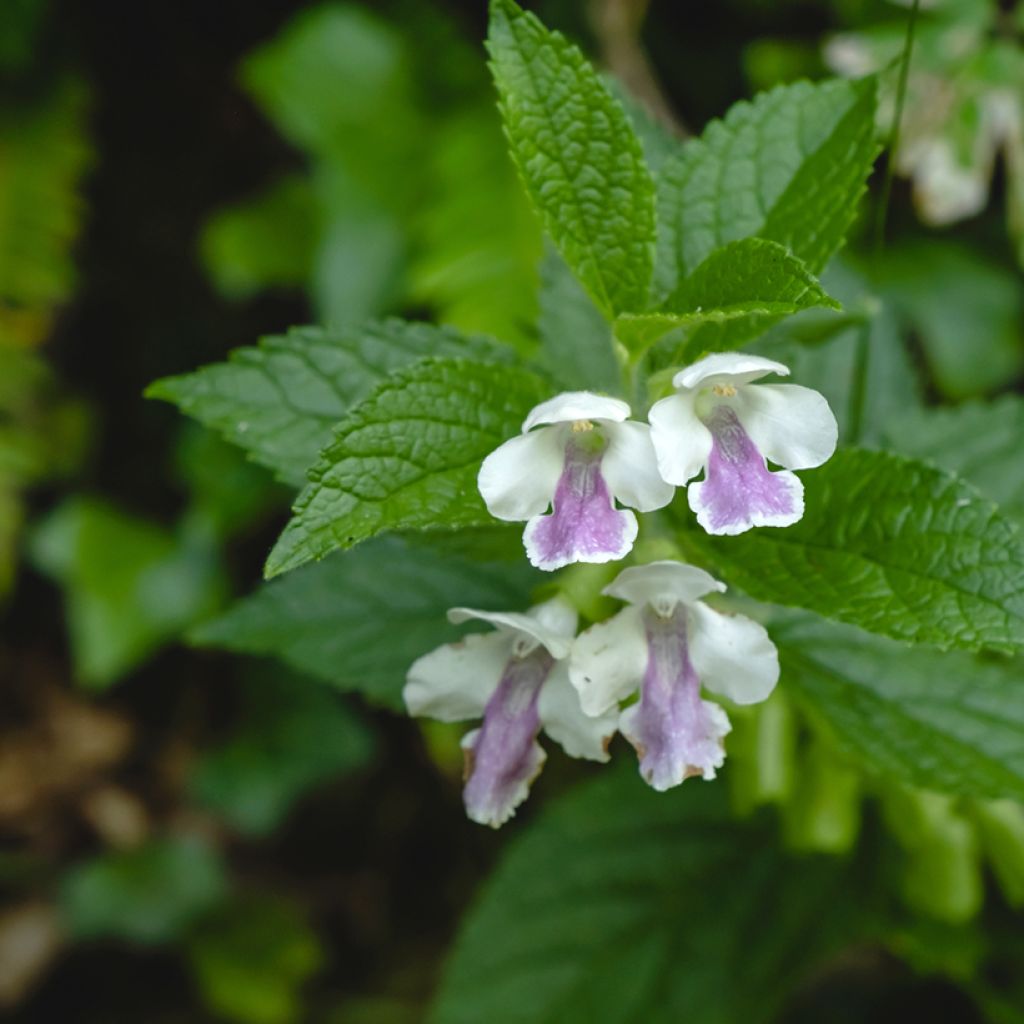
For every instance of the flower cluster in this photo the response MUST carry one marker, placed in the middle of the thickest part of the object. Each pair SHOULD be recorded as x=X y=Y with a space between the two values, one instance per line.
x=578 y=455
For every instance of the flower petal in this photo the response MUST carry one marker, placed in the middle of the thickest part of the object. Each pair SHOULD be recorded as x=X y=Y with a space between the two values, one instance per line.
x=576 y=405
x=656 y=581
x=676 y=734
x=584 y=525
x=727 y=368
x=552 y=624
x=518 y=479
x=733 y=655
x=630 y=467
x=503 y=756
x=608 y=661
x=738 y=491
x=681 y=442
x=563 y=718
x=455 y=681
x=791 y=425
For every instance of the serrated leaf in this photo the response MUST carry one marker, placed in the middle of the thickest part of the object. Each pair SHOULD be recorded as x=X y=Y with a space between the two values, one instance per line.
x=407 y=457
x=789 y=166
x=359 y=620
x=576 y=344
x=621 y=904
x=980 y=441
x=579 y=158
x=749 y=277
x=893 y=546
x=945 y=721
x=279 y=400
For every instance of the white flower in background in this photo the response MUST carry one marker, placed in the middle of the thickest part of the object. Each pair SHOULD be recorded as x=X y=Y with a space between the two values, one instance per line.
x=515 y=679
x=585 y=455
x=667 y=643
x=720 y=422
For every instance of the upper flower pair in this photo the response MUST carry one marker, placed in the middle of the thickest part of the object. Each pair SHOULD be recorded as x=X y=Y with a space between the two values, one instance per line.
x=587 y=454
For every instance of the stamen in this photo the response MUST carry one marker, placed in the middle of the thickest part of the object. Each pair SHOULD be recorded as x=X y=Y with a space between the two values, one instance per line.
x=579 y=426
x=724 y=390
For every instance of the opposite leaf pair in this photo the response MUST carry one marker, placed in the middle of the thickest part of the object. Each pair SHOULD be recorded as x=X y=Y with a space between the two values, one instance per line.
x=533 y=672
x=587 y=454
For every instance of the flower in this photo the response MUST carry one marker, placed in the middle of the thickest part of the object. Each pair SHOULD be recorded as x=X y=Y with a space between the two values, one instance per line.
x=720 y=422
x=667 y=643
x=516 y=679
x=584 y=456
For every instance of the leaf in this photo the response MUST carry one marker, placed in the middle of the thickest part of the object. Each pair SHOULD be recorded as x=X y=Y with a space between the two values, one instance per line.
x=980 y=441
x=749 y=277
x=621 y=904
x=293 y=735
x=279 y=400
x=579 y=158
x=148 y=895
x=251 y=959
x=359 y=620
x=265 y=242
x=893 y=546
x=790 y=166
x=944 y=721
x=129 y=586
x=408 y=456
x=576 y=344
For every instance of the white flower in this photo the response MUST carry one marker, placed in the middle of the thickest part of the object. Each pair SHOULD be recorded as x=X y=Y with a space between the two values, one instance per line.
x=516 y=680
x=667 y=643
x=720 y=422
x=585 y=454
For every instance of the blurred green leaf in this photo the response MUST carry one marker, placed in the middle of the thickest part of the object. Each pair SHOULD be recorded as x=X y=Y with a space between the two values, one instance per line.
x=129 y=586
x=148 y=895
x=576 y=344
x=894 y=546
x=358 y=620
x=293 y=735
x=279 y=400
x=265 y=242
x=980 y=441
x=251 y=959
x=621 y=904
x=943 y=721
x=579 y=158
x=407 y=457
x=966 y=311
x=23 y=20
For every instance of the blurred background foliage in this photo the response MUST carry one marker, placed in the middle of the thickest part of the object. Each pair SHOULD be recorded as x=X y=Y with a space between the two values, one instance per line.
x=193 y=836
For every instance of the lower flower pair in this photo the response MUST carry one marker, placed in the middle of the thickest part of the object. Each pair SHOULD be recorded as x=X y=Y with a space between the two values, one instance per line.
x=533 y=673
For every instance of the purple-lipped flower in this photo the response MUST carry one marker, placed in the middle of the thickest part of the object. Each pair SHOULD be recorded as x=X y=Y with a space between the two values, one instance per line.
x=516 y=680
x=668 y=644
x=584 y=454
x=721 y=422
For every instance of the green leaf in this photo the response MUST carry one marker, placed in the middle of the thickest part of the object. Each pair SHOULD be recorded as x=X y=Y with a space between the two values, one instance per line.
x=894 y=546
x=293 y=735
x=576 y=344
x=279 y=400
x=251 y=959
x=980 y=441
x=359 y=620
x=579 y=158
x=748 y=278
x=621 y=904
x=147 y=895
x=944 y=721
x=408 y=456
x=790 y=166
x=129 y=585
x=266 y=242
